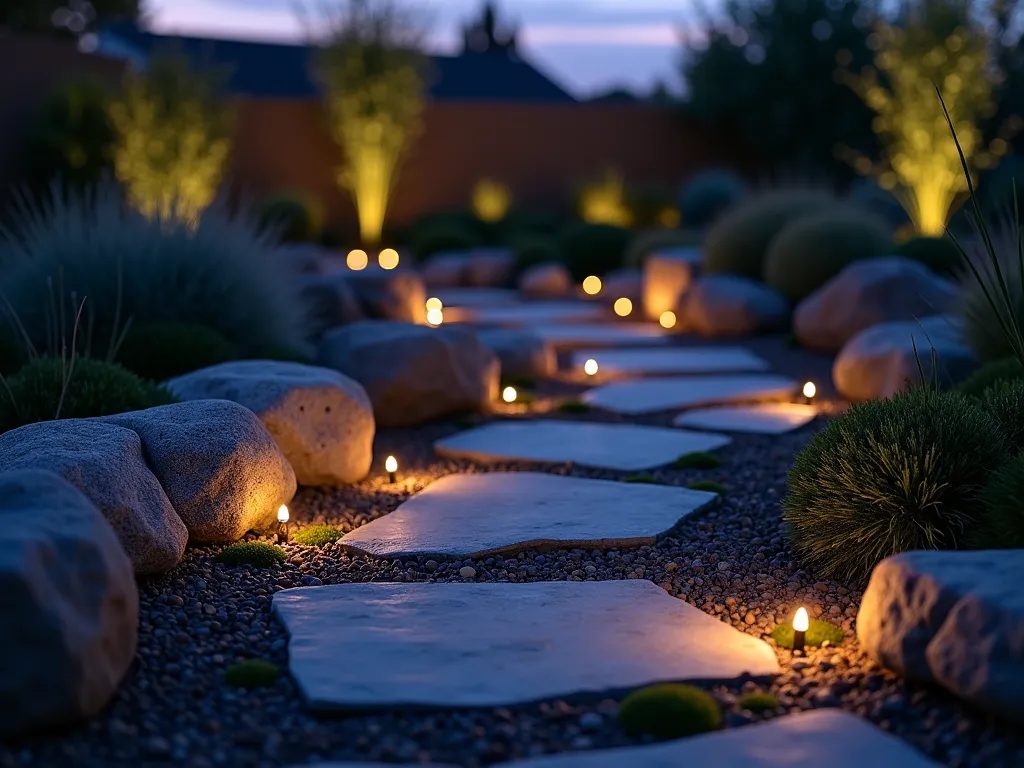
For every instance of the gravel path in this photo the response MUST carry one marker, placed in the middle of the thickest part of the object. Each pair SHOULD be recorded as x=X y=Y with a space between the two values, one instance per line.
x=732 y=561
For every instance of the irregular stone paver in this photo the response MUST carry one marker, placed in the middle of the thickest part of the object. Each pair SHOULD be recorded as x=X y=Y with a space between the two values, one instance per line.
x=660 y=361
x=531 y=313
x=804 y=740
x=759 y=419
x=599 y=334
x=649 y=395
x=478 y=515
x=490 y=645
x=625 y=447
x=474 y=297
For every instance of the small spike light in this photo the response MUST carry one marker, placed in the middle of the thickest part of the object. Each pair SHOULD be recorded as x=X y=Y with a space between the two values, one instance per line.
x=590 y=367
x=509 y=394
x=282 y=524
x=801 y=622
x=810 y=391
x=391 y=467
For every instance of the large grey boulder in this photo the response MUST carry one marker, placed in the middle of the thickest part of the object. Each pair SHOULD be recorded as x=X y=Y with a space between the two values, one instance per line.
x=445 y=270
x=105 y=462
x=867 y=293
x=490 y=267
x=331 y=301
x=667 y=275
x=413 y=373
x=545 y=281
x=954 y=618
x=522 y=354
x=730 y=305
x=390 y=294
x=320 y=419
x=218 y=465
x=880 y=361
x=69 y=602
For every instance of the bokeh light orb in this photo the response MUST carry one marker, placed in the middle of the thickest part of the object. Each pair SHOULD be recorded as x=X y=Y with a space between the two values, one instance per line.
x=357 y=259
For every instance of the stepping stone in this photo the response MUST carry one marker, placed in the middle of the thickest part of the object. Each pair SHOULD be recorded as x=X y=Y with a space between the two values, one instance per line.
x=600 y=335
x=803 y=740
x=625 y=447
x=452 y=298
x=480 y=515
x=531 y=313
x=661 y=361
x=496 y=645
x=664 y=394
x=760 y=419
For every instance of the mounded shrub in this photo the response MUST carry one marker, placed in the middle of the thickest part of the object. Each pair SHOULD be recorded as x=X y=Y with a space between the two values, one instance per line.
x=818 y=633
x=811 y=250
x=444 y=235
x=593 y=249
x=652 y=207
x=219 y=272
x=669 y=711
x=293 y=217
x=257 y=553
x=317 y=535
x=251 y=673
x=162 y=351
x=706 y=195
x=737 y=243
x=1007 y=369
x=890 y=476
x=1002 y=520
x=939 y=254
x=519 y=223
x=1004 y=401
x=94 y=388
x=530 y=250
x=643 y=244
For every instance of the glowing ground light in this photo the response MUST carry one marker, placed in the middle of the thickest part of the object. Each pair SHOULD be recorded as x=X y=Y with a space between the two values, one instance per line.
x=282 y=524
x=435 y=317
x=592 y=285
x=509 y=394
x=391 y=467
x=282 y=513
x=388 y=258
x=357 y=259
x=801 y=622
x=810 y=391
x=667 y=319
x=590 y=367
x=623 y=307
x=434 y=303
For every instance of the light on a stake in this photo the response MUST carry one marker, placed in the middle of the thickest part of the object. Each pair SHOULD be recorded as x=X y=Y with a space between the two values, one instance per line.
x=801 y=621
x=592 y=285
x=282 y=524
x=509 y=394
x=391 y=466
x=667 y=319
x=590 y=367
x=434 y=303
x=810 y=391
x=623 y=307
x=435 y=317
x=388 y=258
x=357 y=259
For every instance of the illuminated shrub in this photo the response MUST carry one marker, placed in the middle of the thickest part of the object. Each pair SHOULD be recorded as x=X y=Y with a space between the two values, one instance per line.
x=1004 y=401
x=939 y=254
x=813 y=249
x=162 y=351
x=890 y=476
x=669 y=711
x=706 y=195
x=491 y=200
x=1002 y=519
x=593 y=249
x=251 y=674
x=293 y=217
x=644 y=244
x=257 y=553
x=604 y=202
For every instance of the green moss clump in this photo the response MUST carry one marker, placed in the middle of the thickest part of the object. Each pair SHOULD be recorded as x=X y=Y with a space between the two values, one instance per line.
x=574 y=406
x=758 y=701
x=697 y=460
x=1007 y=369
x=257 y=553
x=639 y=479
x=669 y=711
x=162 y=351
x=251 y=673
x=593 y=249
x=939 y=254
x=818 y=633
x=1002 y=521
x=531 y=250
x=317 y=535
x=707 y=485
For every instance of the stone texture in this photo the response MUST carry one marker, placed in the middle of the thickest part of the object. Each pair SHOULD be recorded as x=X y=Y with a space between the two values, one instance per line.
x=953 y=618
x=69 y=602
x=490 y=267
x=320 y=419
x=730 y=305
x=390 y=294
x=625 y=447
x=217 y=463
x=331 y=301
x=880 y=361
x=675 y=360
x=572 y=335
x=545 y=281
x=489 y=645
x=760 y=419
x=479 y=515
x=867 y=293
x=105 y=462
x=677 y=392
x=444 y=270
x=667 y=276
x=531 y=313
x=522 y=353
x=413 y=373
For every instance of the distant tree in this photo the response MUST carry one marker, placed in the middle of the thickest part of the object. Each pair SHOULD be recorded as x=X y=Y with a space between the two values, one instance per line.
x=485 y=35
x=75 y=19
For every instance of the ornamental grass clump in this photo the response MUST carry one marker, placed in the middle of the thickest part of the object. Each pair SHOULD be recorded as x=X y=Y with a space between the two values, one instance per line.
x=890 y=476
x=1004 y=401
x=669 y=711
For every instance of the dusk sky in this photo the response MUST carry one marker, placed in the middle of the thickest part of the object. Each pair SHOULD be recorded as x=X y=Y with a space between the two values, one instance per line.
x=587 y=45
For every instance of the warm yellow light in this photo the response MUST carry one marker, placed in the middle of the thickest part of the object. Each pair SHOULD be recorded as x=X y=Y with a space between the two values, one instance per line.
x=491 y=200
x=623 y=307
x=435 y=317
x=604 y=202
x=357 y=259
x=388 y=258
x=282 y=513
x=509 y=394
x=667 y=319
x=592 y=285
x=434 y=303
x=801 y=621
x=810 y=390
x=590 y=367
x=391 y=464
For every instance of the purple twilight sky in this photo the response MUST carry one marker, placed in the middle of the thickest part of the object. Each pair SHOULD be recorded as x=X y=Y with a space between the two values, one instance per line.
x=587 y=45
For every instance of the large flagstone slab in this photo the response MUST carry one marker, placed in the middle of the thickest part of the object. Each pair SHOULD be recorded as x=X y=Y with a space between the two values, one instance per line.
x=758 y=419
x=479 y=515
x=580 y=336
x=823 y=737
x=453 y=298
x=672 y=360
x=377 y=645
x=625 y=447
x=672 y=393
x=529 y=313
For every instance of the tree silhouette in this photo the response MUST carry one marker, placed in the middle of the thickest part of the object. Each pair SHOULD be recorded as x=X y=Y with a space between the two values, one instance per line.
x=487 y=35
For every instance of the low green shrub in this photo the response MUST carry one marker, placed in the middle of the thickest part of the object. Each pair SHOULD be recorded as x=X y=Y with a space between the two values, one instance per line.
x=812 y=249
x=643 y=244
x=649 y=479
x=669 y=711
x=94 y=388
x=1002 y=520
x=574 y=406
x=531 y=250
x=293 y=217
x=651 y=207
x=708 y=194
x=443 y=236
x=317 y=535
x=890 y=476
x=737 y=243
x=758 y=701
x=1004 y=401
x=251 y=673
x=707 y=485
x=818 y=633
x=939 y=254
x=257 y=553
x=593 y=249
x=161 y=351
x=1007 y=369
x=697 y=460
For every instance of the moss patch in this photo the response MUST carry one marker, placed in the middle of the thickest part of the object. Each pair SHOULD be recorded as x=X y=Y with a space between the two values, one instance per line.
x=707 y=485
x=256 y=553
x=639 y=479
x=758 y=701
x=669 y=711
x=251 y=673
x=697 y=460
x=818 y=632
x=317 y=535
